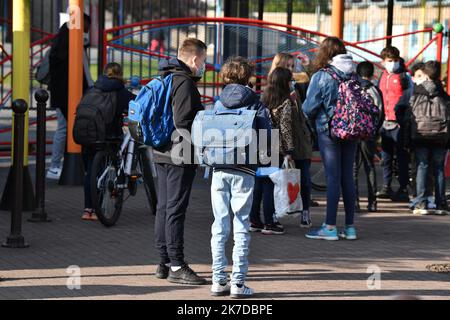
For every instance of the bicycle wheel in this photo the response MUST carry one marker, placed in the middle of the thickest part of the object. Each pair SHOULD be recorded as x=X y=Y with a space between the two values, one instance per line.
x=106 y=197
x=149 y=182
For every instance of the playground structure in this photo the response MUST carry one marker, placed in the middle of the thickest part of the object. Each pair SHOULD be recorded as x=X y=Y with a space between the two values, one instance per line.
x=259 y=41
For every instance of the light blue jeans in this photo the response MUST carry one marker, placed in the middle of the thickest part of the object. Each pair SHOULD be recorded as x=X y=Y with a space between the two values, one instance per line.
x=59 y=140
x=231 y=192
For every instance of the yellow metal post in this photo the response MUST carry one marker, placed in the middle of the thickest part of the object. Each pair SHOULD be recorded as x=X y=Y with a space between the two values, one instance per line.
x=20 y=90
x=21 y=59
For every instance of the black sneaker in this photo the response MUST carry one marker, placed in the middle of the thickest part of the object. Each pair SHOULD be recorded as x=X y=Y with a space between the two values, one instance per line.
x=306 y=220
x=385 y=193
x=372 y=207
x=256 y=226
x=185 y=275
x=442 y=210
x=272 y=229
x=162 y=272
x=314 y=204
x=401 y=196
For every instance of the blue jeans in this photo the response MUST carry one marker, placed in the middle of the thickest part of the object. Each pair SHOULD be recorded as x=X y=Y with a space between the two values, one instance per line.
x=305 y=166
x=338 y=158
x=392 y=142
x=263 y=192
x=437 y=156
x=231 y=192
x=59 y=140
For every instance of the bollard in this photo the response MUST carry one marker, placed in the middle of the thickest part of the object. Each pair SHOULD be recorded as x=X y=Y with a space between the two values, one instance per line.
x=15 y=239
x=40 y=215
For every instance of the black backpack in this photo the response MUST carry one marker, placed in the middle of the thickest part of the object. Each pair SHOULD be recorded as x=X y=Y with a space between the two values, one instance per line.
x=96 y=118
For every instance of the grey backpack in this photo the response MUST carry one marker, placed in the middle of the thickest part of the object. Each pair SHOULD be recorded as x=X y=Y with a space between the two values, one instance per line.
x=43 y=70
x=430 y=118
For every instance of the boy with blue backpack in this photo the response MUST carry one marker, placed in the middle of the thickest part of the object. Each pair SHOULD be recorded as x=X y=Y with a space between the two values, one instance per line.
x=165 y=110
x=238 y=110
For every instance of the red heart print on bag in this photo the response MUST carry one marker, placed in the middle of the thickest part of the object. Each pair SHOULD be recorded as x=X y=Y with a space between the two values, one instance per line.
x=293 y=191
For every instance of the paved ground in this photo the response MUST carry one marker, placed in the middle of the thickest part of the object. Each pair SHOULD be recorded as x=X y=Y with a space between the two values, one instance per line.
x=119 y=263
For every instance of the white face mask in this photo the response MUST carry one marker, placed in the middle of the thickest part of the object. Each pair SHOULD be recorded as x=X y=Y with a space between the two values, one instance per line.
x=420 y=81
x=392 y=67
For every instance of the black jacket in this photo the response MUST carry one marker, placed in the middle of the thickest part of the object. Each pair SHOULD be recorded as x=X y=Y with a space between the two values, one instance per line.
x=59 y=71
x=186 y=102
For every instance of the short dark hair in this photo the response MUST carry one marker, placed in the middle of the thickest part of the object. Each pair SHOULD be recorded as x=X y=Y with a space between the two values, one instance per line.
x=390 y=53
x=191 y=47
x=416 y=67
x=365 y=69
x=433 y=70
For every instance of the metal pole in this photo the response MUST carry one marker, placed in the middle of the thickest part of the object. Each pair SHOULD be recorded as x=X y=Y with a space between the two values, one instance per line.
x=101 y=29
x=72 y=173
x=290 y=10
x=390 y=22
x=338 y=18
x=40 y=215
x=16 y=239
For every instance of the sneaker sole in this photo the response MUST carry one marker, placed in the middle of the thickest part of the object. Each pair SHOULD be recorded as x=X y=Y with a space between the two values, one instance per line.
x=323 y=238
x=160 y=276
x=272 y=233
x=220 y=294
x=240 y=296
x=181 y=281
x=255 y=230
x=353 y=238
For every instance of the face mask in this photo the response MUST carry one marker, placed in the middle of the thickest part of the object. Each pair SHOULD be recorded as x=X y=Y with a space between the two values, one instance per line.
x=392 y=67
x=420 y=81
x=201 y=71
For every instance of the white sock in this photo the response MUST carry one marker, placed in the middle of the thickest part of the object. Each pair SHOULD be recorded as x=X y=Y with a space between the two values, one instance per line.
x=175 y=269
x=168 y=265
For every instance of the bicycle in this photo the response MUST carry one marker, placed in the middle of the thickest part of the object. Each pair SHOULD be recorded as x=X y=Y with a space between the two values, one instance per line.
x=120 y=165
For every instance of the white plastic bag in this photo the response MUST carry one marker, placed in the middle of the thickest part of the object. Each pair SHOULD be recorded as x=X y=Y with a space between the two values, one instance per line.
x=287 y=195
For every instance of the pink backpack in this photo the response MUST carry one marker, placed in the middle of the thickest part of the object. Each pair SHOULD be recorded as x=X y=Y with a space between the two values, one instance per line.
x=356 y=115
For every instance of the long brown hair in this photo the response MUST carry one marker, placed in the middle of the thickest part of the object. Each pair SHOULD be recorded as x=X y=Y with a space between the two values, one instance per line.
x=330 y=48
x=281 y=60
x=114 y=71
x=278 y=88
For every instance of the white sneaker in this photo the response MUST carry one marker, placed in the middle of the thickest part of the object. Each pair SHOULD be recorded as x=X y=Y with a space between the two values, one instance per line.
x=241 y=292
x=219 y=290
x=54 y=173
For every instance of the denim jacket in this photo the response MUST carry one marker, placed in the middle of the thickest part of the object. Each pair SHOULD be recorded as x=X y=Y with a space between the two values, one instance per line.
x=322 y=95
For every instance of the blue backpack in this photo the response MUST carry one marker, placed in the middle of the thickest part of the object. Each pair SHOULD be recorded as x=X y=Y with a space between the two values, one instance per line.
x=152 y=113
x=225 y=137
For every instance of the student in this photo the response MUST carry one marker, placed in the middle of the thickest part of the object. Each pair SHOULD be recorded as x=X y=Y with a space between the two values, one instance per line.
x=112 y=82
x=176 y=173
x=59 y=88
x=430 y=102
x=232 y=187
x=338 y=155
x=295 y=138
x=366 y=149
x=397 y=88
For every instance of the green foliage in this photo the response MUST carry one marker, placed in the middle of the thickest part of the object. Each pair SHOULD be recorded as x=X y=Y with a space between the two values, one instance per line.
x=305 y=6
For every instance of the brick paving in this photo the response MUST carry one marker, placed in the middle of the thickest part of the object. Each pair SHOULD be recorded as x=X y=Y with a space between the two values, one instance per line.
x=119 y=263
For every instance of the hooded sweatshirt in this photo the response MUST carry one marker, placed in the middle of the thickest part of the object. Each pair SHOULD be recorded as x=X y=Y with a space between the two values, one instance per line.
x=321 y=99
x=186 y=102
x=236 y=96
